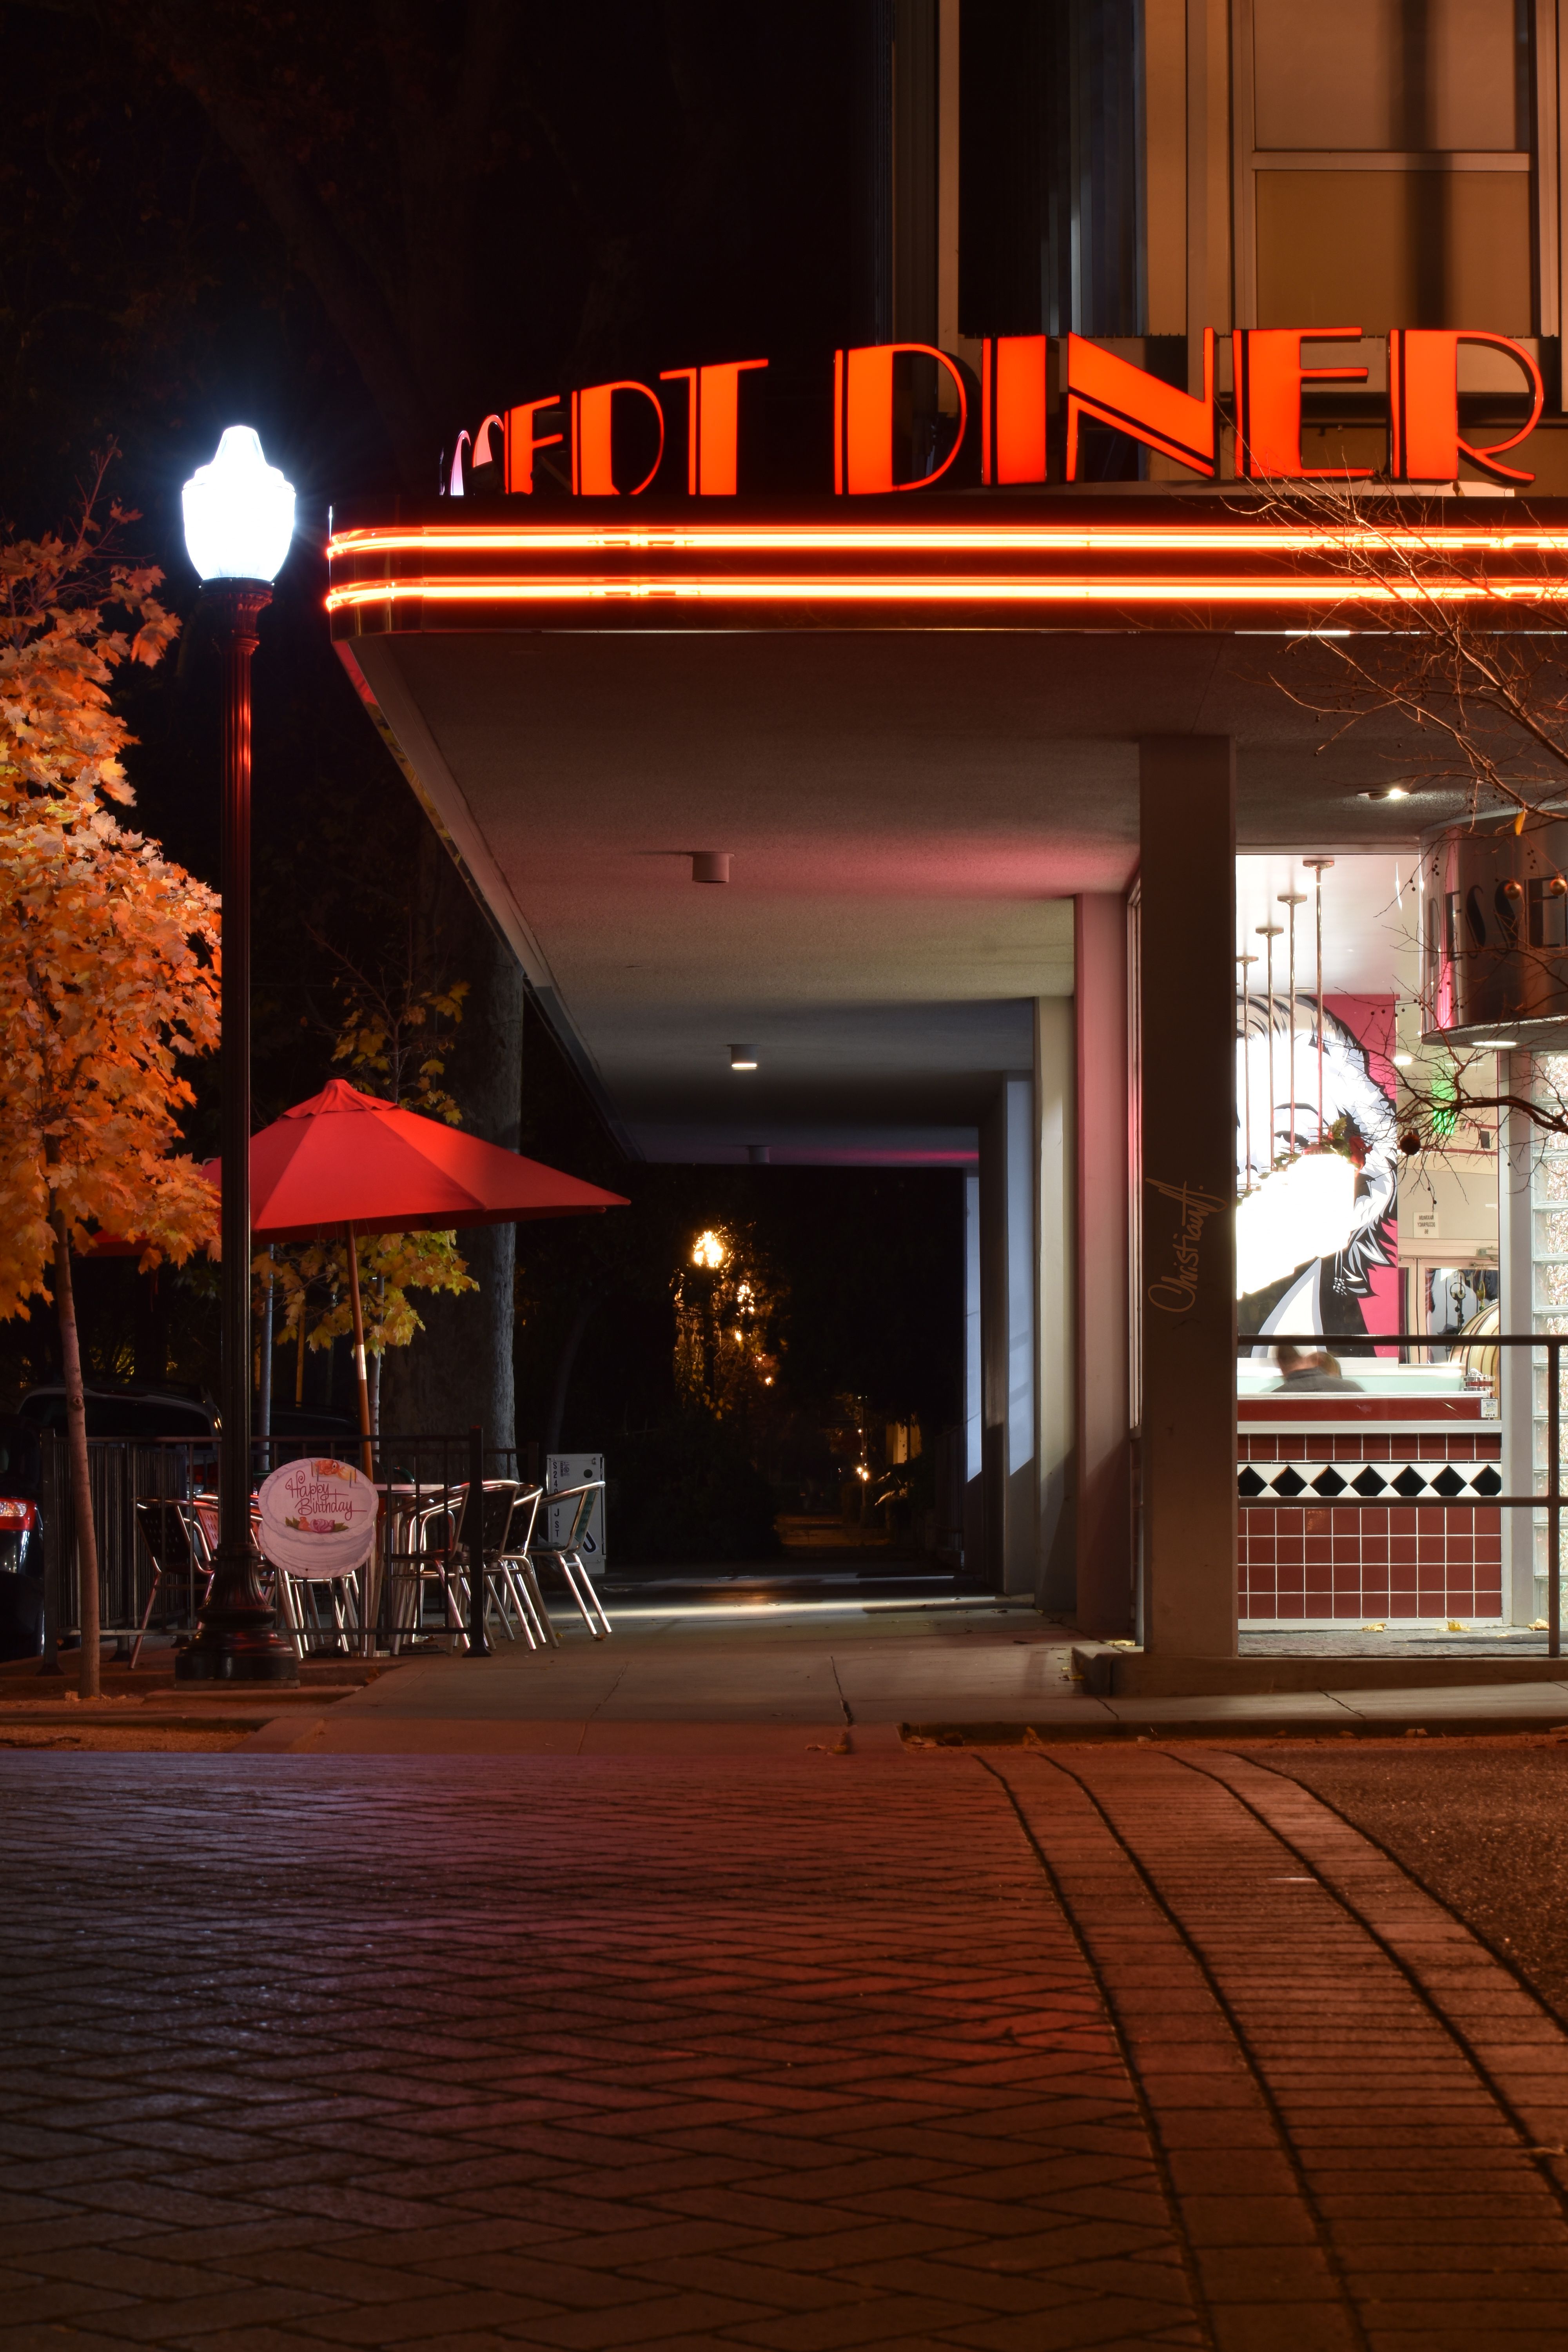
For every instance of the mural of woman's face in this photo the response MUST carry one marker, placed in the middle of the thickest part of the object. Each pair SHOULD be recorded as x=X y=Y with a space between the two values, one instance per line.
x=1284 y=1121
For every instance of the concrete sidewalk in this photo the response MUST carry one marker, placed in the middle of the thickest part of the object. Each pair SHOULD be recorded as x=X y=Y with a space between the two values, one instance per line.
x=768 y=1680
x=801 y=1679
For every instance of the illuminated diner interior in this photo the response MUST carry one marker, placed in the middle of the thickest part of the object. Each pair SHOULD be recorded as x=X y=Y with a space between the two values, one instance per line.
x=1381 y=1265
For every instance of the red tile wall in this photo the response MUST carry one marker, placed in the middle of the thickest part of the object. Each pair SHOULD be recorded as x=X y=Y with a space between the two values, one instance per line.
x=1314 y=1562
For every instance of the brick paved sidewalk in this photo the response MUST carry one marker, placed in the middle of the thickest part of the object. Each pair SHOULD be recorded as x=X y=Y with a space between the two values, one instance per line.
x=1353 y=2101
x=307 y=2051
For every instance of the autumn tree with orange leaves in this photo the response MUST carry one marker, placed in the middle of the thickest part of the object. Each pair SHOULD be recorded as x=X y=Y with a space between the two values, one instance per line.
x=109 y=960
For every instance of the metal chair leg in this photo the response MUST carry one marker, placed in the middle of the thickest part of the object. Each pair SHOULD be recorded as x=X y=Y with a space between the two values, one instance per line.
x=537 y=1631
x=538 y=1625
x=587 y=1599
x=588 y=1608
x=527 y=1623
x=146 y=1613
x=560 y=1559
x=497 y=1589
x=457 y=1602
x=543 y=1618
x=293 y=1616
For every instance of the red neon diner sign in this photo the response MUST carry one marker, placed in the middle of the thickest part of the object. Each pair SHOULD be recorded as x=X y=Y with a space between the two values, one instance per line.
x=1030 y=401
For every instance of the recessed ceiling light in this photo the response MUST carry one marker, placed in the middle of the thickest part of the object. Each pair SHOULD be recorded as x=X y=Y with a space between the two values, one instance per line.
x=1403 y=1061
x=1385 y=793
x=742 y=1057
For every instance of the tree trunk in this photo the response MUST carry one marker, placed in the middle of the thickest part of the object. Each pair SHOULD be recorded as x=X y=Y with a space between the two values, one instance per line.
x=76 y=1445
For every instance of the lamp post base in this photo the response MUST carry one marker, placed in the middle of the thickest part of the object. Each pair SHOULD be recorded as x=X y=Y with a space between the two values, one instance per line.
x=238 y=1641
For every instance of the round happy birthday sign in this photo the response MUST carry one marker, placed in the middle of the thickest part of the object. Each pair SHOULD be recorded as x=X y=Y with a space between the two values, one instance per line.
x=318 y=1518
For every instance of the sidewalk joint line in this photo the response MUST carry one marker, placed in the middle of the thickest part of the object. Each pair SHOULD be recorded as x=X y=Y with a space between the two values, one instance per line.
x=603 y=1700
x=1221 y=2001
x=1201 y=2311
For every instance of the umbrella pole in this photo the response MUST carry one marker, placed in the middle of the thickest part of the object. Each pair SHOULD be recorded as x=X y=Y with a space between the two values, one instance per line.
x=367 y=1458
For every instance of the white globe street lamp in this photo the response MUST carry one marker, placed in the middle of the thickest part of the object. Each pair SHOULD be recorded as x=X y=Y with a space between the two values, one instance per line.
x=239 y=512
x=239 y=519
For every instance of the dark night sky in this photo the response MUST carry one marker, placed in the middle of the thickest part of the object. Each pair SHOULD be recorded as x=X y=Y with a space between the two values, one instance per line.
x=357 y=229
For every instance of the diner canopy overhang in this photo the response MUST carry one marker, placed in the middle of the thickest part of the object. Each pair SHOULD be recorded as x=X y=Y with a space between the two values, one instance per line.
x=914 y=736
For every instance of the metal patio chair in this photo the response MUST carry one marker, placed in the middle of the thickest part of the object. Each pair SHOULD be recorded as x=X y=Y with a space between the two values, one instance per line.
x=440 y=1557
x=300 y=1600
x=199 y=1518
x=568 y=1554
x=515 y=1566
x=161 y=1525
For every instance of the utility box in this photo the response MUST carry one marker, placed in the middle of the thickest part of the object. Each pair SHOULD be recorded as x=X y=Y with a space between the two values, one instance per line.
x=575 y=1470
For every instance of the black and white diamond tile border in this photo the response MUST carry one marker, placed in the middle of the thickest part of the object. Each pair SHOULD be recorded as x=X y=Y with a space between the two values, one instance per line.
x=1372 y=1482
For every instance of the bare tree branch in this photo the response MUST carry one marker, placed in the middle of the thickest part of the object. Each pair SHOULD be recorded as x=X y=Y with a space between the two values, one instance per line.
x=1458 y=656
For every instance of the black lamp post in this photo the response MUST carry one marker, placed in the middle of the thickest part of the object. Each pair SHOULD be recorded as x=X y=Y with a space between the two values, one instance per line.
x=239 y=519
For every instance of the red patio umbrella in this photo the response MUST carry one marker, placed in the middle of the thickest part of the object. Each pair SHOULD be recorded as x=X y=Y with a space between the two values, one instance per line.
x=347 y=1163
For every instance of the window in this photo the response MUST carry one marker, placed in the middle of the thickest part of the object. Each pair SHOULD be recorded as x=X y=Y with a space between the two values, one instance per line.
x=1049 y=143
x=1385 y=171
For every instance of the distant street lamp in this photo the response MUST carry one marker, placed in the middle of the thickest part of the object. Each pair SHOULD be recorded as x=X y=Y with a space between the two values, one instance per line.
x=239 y=519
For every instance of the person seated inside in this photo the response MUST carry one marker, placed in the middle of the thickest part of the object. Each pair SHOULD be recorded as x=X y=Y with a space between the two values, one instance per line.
x=1307 y=1367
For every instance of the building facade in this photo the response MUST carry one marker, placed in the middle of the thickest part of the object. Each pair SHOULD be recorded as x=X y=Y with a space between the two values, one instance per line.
x=894 y=817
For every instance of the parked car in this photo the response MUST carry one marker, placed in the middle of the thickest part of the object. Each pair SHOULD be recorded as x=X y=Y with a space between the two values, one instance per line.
x=136 y=1409
x=146 y=1415
x=126 y=1409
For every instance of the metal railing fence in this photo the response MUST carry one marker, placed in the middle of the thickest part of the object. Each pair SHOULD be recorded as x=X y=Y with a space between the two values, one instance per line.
x=166 y=1471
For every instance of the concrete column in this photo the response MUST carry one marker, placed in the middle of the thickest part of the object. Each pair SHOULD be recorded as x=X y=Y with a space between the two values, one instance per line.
x=1021 y=1541
x=994 y=1337
x=1007 y=1280
x=1102 y=1564
x=1053 y=1252
x=1516 y=1301
x=974 y=1559
x=1186 y=1309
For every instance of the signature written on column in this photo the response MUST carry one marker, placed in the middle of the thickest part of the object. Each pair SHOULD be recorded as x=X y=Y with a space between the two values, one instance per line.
x=1177 y=1291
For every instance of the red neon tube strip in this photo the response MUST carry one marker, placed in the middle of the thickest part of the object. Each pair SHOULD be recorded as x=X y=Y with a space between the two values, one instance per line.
x=942 y=589
x=1231 y=539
